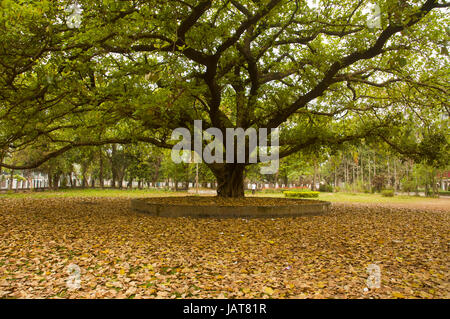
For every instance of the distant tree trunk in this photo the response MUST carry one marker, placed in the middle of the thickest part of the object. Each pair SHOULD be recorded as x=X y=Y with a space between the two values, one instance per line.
x=335 y=176
x=374 y=166
x=313 y=185
x=433 y=180
x=395 y=176
x=427 y=189
x=56 y=181
x=11 y=178
x=353 y=176
x=1 y=162
x=102 y=181
x=83 y=176
x=113 y=180
x=113 y=165
x=362 y=170
x=285 y=180
x=157 y=169
x=50 y=180
x=389 y=173
x=417 y=185
x=71 y=180
x=346 y=172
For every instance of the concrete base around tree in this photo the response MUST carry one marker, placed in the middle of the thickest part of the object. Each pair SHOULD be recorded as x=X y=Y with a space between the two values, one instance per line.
x=307 y=208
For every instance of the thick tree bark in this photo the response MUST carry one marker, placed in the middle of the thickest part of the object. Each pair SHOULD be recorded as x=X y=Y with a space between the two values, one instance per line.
x=230 y=179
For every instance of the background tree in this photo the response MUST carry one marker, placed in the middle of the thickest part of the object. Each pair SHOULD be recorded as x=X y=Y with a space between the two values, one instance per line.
x=134 y=70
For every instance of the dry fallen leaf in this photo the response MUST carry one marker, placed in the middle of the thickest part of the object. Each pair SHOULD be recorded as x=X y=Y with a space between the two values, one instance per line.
x=268 y=291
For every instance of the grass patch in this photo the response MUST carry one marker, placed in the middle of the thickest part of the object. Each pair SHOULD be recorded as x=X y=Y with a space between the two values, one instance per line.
x=331 y=197
x=91 y=192
x=365 y=198
x=387 y=193
x=302 y=194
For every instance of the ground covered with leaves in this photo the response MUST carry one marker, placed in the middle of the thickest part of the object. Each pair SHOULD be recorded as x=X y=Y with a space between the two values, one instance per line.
x=124 y=254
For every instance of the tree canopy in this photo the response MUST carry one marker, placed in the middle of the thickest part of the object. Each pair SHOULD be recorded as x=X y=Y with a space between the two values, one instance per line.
x=132 y=71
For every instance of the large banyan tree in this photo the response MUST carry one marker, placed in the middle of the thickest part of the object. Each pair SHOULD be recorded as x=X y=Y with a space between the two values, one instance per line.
x=322 y=72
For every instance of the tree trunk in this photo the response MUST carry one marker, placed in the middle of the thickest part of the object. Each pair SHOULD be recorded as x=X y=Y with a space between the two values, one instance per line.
x=362 y=170
x=313 y=185
x=353 y=177
x=56 y=181
x=395 y=176
x=113 y=165
x=346 y=172
x=230 y=179
x=433 y=180
x=113 y=180
x=1 y=162
x=11 y=179
x=50 y=180
x=389 y=173
x=84 y=180
x=100 y=177
x=157 y=168
x=335 y=176
x=374 y=166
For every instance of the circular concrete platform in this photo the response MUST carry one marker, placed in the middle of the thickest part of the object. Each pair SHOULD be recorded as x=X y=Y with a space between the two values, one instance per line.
x=213 y=207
